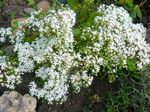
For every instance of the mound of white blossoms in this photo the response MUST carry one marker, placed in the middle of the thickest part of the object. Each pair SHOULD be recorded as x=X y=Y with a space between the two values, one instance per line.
x=114 y=41
x=44 y=46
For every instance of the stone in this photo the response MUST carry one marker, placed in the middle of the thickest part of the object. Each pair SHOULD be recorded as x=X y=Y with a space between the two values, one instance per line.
x=9 y=50
x=15 y=102
x=28 y=10
x=27 y=102
x=21 y=14
x=43 y=6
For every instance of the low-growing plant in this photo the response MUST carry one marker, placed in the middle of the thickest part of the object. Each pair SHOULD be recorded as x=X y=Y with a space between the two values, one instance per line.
x=65 y=50
x=44 y=46
x=112 y=43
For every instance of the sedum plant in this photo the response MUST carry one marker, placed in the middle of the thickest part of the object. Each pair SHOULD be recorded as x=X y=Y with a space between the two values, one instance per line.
x=113 y=43
x=46 y=45
x=43 y=45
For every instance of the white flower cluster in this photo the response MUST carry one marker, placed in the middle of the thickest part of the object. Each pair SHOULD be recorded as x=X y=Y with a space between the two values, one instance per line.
x=81 y=79
x=8 y=76
x=3 y=65
x=5 y=32
x=55 y=87
x=113 y=39
x=44 y=45
x=50 y=54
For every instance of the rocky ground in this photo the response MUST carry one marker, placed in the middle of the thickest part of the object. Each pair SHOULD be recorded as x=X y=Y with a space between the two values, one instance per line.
x=78 y=102
x=15 y=102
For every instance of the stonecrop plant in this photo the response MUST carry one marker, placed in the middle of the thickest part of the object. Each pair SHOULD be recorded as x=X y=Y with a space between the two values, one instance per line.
x=44 y=45
x=113 y=42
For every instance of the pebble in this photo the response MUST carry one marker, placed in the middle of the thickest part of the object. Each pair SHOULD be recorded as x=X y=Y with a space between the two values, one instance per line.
x=9 y=50
x=28 y=10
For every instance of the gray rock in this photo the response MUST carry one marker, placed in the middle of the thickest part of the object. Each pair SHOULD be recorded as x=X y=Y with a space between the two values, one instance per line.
x=9 y=50
x=28 y=10
x=15 y=102
x=28 y=103
x=22 y=14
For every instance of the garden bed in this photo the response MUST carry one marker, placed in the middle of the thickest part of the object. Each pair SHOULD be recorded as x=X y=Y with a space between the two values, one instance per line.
x=92 y=99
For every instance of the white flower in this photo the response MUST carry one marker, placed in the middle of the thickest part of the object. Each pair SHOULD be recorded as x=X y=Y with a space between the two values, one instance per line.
x=114 y=39
x=4 y=33
x=55 y=88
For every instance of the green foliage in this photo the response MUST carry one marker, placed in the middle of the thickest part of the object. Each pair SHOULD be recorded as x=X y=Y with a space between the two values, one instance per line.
x=95 y=98
x=2 y=3
x=31 y=2
x=14 y=24
x=131 y=65
x=119 y=101
x=39 y=81
x=111 y=78
x=13 y=15
x=132 y=69
x=129 y=5
x=137 y=11
x=85 y=10
x=132 y=95
x=129 y=95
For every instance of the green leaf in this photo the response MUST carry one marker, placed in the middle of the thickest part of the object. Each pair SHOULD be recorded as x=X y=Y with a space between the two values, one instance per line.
x=129 y=2
x=72 y=3
x=111 y=78
x=120 y=2
x=138 y=11
x=1 y=52
x=133 y=14
x=77 y=31
x=131 y=65
x=136 y=76
x=31 y=2
x=39 y=81
x=88 y=2
x=2 y=3
x=126 y=6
